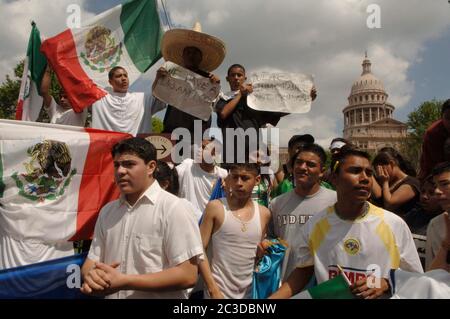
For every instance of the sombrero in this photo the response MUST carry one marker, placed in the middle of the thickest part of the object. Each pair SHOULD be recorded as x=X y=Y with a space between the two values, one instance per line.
x=174 y=41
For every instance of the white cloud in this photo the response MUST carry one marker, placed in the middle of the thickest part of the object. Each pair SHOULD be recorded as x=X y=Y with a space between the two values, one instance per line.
x=326 y=38
x=15 y=26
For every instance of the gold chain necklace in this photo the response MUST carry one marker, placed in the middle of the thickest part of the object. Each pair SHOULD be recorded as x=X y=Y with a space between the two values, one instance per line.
x=243 y=224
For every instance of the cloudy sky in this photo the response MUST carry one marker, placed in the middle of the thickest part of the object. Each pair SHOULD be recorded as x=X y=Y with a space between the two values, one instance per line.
x=410 y=53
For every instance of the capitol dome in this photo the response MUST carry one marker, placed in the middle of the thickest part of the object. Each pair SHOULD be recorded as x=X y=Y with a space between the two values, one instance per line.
x=367 y=82
x=368 y=120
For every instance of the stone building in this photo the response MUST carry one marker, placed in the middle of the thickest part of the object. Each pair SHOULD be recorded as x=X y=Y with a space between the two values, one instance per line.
x=368 y=117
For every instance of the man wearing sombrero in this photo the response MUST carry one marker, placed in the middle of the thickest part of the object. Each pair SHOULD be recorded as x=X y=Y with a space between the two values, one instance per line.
x=198 y=52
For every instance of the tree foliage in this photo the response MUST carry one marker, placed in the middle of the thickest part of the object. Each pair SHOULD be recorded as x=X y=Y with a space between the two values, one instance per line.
x=157 y=125
x=9 y=93
x=418 y=122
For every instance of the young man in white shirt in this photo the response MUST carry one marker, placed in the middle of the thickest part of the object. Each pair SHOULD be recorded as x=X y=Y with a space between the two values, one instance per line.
x=292 y=210
x=198 y=176
x=147 y=243
x=123 y=111
x=365 y=240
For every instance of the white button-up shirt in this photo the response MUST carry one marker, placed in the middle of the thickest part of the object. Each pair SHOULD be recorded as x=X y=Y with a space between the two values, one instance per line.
x=158 y=232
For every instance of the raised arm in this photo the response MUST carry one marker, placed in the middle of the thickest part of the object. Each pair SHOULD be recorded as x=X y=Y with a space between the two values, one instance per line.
x=231 y=105
x=45 y=87
x=161 y=73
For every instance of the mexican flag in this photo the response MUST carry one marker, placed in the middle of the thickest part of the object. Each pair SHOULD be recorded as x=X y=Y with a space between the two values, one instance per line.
x=335 y=288
x=30 y=102
x=128 y=35
x=54 y=179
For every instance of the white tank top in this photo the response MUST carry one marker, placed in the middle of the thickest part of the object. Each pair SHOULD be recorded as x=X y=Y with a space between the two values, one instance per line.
x=233 y=253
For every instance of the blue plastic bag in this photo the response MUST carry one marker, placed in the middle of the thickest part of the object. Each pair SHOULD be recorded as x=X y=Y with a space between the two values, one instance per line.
x=267 y=275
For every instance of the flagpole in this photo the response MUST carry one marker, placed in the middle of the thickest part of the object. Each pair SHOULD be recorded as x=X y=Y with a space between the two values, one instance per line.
x=344 y=275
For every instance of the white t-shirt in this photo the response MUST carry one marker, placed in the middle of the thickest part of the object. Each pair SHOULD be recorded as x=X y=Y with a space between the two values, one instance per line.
x=196 y=185
x=290 y=212
x=435 y=237
x=376 y=243
x=433 y=284
x=59 y=115
x=125 y=112
x=157 y=233
x=16 y=253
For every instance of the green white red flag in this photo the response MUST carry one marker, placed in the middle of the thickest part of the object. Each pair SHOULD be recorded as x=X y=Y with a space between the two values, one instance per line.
x=128 y=35
x=54 y=179
x=30 y=102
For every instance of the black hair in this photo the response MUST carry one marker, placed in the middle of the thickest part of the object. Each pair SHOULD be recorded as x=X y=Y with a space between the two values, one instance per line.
x=163 y=172
x=346 y=151
x=313 y=148
x=254 y=167
x=139 y=146
x=235 y=66
x=445 y=106
x=113 y=70
x=387 y=154
x=443 y=167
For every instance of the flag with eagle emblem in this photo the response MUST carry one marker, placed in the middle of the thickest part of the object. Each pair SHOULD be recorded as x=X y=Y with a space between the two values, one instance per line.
x=54 y=179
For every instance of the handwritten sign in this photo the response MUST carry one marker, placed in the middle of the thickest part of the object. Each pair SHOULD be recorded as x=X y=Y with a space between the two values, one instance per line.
x=187 y=91
x=280 y=92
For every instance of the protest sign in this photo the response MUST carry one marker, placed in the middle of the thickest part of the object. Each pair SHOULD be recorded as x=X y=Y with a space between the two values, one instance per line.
x=187 y=91
x=280 y=92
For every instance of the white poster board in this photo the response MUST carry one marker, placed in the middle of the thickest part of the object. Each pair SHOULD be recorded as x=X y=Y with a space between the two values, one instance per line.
x=280 y=92
x=187 y=91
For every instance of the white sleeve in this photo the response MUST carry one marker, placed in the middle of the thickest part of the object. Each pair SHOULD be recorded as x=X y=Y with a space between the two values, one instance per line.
x=433 y=241
x=302 y=253
x=181 y=169
x=97 y=249
x=182 y=239
x=197 y=213
x=273 y=208
x=409 y=258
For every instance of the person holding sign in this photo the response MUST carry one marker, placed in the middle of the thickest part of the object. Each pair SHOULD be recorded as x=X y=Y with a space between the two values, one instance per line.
x=233 y=111
x=199 y=53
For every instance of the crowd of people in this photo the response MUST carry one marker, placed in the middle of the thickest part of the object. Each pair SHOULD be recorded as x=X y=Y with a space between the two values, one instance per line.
x=356 y=216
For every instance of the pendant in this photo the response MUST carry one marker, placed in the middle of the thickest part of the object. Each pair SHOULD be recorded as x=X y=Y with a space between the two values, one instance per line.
x=244 y=228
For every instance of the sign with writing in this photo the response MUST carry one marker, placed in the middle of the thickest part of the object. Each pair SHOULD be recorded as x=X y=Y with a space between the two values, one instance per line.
x=280 y=92
x=187 y=91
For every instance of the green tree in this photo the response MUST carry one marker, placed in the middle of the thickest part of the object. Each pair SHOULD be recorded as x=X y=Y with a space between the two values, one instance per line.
x=9 y=93
x=157 y=125
x=418 y=122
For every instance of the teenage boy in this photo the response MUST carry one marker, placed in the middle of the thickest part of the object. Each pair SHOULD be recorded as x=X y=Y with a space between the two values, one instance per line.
x=365 y=240
x=147 y=243
x=233 y=112
x=292 y=210
x=233 y=227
